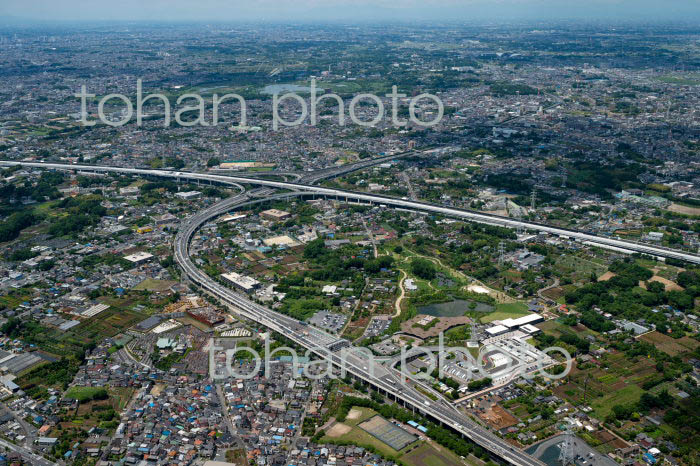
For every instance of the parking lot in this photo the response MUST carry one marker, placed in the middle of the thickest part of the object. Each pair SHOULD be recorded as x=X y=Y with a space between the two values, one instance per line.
x=327 y=321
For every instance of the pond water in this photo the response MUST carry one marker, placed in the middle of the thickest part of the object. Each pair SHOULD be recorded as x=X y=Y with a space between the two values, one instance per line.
x=282 y=88
x=456 y=308
x=550 y=455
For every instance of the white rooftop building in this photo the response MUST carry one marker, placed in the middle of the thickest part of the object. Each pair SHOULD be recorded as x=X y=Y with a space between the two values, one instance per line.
x=139 y=257
x=242 y=282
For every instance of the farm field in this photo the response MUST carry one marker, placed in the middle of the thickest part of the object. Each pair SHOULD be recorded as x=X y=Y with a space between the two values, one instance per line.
x=670 y=345
x=578 y=268
x=619 y=384
x=108 y=323
x=627 y=395
x=555 y=328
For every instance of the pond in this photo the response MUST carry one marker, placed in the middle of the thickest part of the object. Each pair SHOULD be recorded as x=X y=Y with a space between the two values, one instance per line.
x=549 y=456
x=456 y=308
x=283 y=88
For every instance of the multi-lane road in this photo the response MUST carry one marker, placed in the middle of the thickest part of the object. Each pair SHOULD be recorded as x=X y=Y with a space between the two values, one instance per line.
x=469 y=215
x=318 y=342
x=33 y=458
x=315 y=340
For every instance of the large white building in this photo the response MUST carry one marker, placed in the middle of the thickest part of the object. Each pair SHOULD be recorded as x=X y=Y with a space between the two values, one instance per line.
x=188 y=195
x=496 y=330
x=139 y=257
x=242 y=282
x=525 y=323
x=531 y=319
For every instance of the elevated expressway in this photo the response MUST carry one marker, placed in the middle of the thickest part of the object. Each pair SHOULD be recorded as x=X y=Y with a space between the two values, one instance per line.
x=474 y=216
x=312 y=177
x=318 y=342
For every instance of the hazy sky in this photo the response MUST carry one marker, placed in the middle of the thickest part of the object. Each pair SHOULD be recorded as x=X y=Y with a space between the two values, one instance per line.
x=347 y=10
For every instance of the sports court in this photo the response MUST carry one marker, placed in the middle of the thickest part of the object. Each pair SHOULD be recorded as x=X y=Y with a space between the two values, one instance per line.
x=389 y=433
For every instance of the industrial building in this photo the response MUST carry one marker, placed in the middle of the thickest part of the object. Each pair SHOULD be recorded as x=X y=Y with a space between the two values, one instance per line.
x=241 y=282
x=275 y=215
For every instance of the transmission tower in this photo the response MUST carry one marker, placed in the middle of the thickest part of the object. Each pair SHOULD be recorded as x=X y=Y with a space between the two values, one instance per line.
x=501 y=253
x=566 y=454
x=533 y=199
x=519 y=215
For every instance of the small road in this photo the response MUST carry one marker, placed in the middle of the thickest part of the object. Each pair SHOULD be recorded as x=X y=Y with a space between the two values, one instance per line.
x=397 y=305
x=540 y=293
x=227 y=418
x=27 y=454
x=409 y=186
x=129 y=406
x=371 y=237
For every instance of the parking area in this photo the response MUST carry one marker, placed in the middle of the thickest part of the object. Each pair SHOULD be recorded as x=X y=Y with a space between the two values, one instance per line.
x=328 y=321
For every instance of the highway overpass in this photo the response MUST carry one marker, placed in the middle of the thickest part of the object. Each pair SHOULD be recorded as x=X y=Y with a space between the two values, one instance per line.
x=469 y=215
x=384 y=379
x=318 y=342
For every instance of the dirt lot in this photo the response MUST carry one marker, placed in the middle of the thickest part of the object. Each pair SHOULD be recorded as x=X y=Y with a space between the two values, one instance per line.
x=668 y=284
x=606 y=276
x=681 y=209
x=498 y=417
x=338 y=430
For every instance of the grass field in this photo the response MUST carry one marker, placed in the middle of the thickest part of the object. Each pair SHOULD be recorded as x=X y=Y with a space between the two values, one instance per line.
x=686 y=79
x=579 y=268
x=420 y=453
x=151 y=284
x=348 y=432
x=84 y=393
x=505 y=311
x=627 y=395
x=427 y=455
